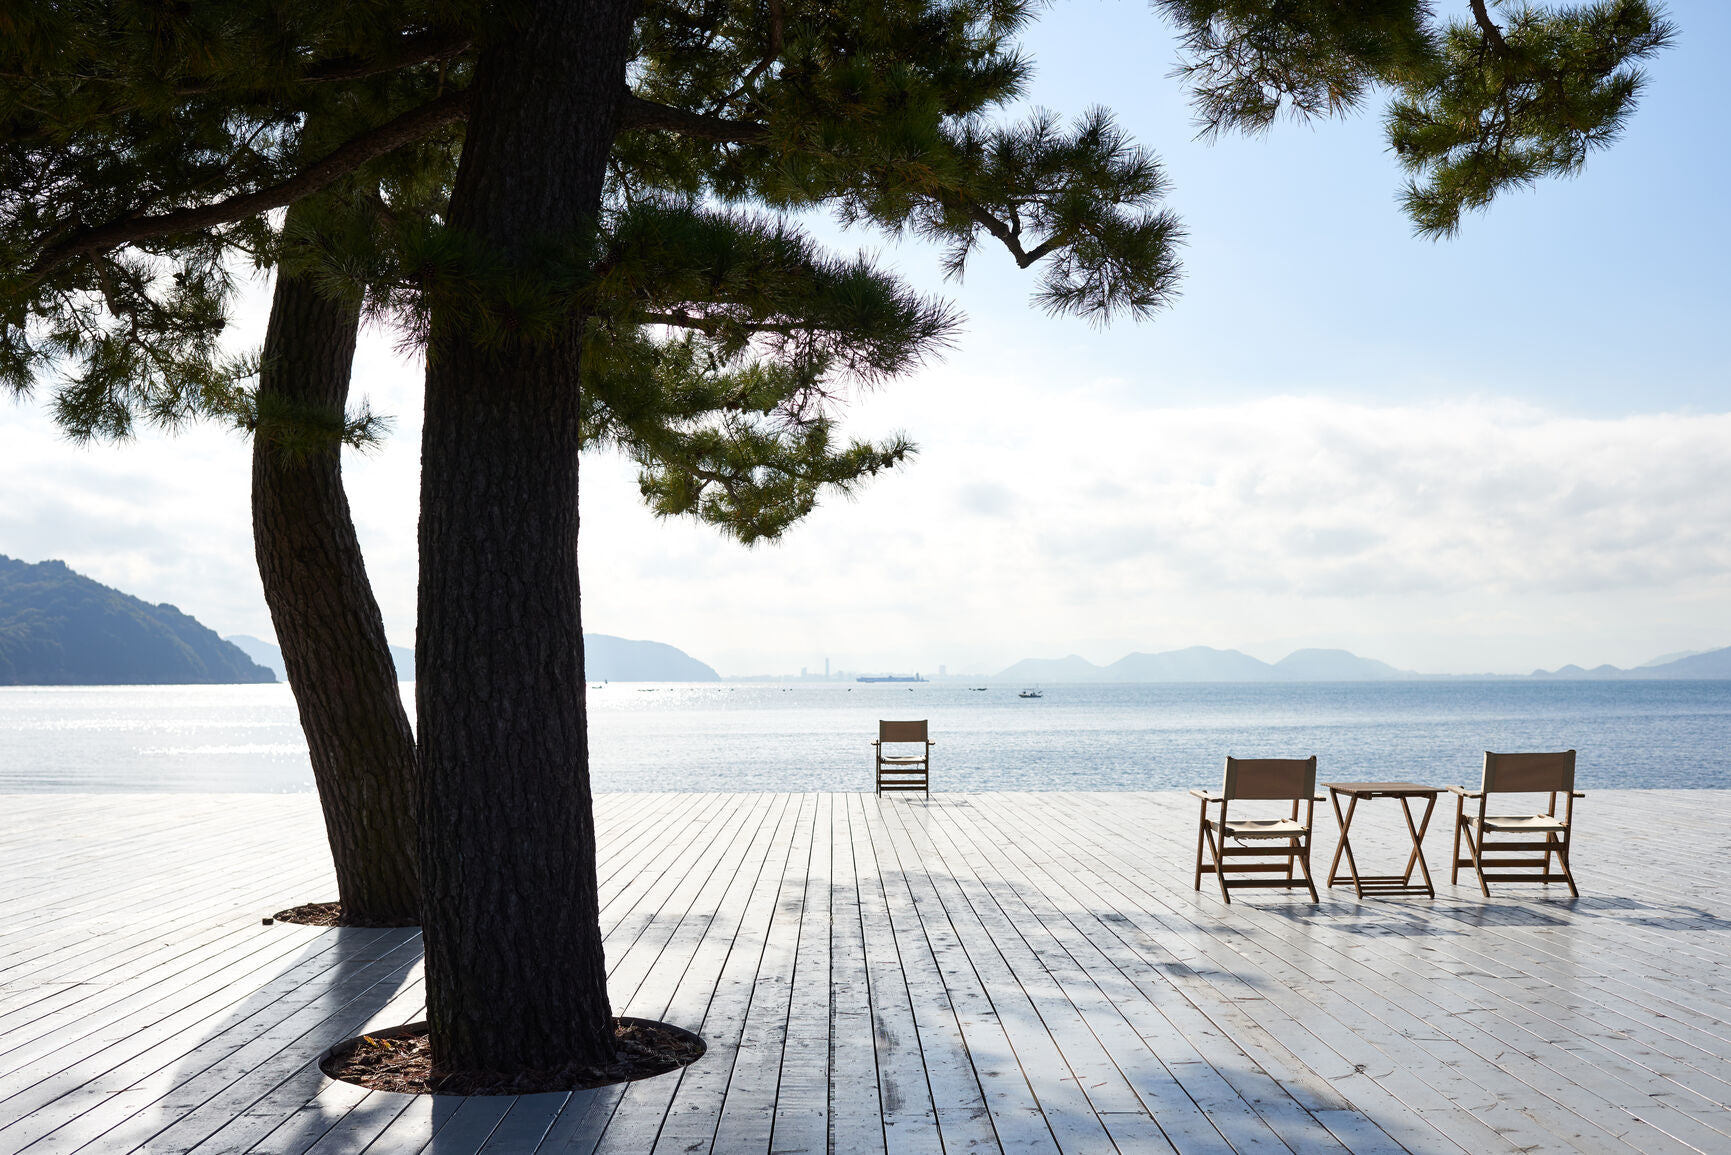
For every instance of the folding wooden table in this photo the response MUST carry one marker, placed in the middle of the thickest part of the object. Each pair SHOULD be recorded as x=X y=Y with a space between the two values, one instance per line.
x=1382 y=883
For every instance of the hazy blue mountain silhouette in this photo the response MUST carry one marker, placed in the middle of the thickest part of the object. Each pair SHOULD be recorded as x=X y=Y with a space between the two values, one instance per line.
x=1070 y=669
x=609 y=659
x=1708 y=666
x=269 y=656
x=1206 y=664
x=261 y=652
x=1195 y=664
x=61 y=628
x=1335 y=666
x=1712 y=664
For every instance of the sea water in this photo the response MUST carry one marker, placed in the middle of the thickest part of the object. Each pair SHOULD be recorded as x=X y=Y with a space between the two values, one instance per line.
x=817 y=736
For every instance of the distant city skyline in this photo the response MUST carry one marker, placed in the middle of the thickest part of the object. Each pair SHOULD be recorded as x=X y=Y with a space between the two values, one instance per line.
x=1503 y=452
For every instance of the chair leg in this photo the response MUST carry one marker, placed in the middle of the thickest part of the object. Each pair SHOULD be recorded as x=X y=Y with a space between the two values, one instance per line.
x=1219 y=861
x=1563 y=858
x=1201 y=831
x=1290 y=857
x=1476 y=845
x=1455 y=861
x=1304 y=861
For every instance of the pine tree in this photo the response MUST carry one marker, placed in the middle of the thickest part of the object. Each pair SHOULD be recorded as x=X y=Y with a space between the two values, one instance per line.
x=115 y=112
x=605 y=274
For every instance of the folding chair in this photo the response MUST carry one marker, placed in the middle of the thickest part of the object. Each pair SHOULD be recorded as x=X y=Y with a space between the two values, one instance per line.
x=1518 y=774
x=1257 y=779
x=903 y=771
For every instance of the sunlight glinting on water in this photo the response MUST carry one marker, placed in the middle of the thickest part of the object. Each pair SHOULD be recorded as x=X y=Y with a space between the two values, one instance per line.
x=816 y=736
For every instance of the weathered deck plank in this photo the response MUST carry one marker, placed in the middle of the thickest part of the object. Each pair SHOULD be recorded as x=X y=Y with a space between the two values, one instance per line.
x=1001 y=972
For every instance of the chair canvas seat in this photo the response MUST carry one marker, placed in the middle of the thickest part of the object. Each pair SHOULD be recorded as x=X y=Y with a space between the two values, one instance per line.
x=1260 y=827
x=1514 y=823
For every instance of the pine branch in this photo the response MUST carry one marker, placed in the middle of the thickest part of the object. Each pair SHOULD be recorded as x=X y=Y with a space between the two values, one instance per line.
x=777 y=26
x=1493 y=34
x=1011 y=236
x=420 y=48
x=411 y=126
x=640 y=113
x=712 y=326
x=423 y=48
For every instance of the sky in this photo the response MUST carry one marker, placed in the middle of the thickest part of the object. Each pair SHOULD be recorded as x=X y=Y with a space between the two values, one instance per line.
x=1500 y=452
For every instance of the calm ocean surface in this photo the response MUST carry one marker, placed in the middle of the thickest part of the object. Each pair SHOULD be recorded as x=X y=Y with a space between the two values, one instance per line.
x=816 y=736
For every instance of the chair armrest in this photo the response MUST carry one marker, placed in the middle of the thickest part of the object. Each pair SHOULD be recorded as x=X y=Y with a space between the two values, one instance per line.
x=1320 y=798
x=1207 y=796
x=1576 y=794
x=1466 y=793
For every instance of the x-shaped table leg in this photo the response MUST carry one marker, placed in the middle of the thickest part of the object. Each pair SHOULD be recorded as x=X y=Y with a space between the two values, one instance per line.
x=1345 y=821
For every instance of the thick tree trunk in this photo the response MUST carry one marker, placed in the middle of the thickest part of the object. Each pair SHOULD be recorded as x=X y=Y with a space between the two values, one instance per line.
x=332 y=637
x=515 y=974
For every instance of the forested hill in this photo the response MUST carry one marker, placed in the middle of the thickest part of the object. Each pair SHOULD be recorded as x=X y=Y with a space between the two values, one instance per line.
x=61 y=628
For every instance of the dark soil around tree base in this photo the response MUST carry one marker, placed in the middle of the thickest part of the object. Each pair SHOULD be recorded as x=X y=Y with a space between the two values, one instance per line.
x=331 y=914
x=400 y=1059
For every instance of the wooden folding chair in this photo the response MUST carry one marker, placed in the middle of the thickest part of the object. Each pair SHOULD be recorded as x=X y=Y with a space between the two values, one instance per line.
x=1259 y=778
x=903 y=771
x=1518 y=774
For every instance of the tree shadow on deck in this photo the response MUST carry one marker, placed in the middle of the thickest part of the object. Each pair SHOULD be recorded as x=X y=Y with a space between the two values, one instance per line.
x=255 y=1074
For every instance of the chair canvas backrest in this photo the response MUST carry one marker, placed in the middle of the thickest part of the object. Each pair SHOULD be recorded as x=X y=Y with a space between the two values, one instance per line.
x=902 y=731
x=1528 y=773
x=1269 y=777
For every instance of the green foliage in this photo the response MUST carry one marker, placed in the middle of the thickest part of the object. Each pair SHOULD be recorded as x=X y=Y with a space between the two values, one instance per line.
x=730 y=408
x=1248 y=61
x=1478 y=108
x=144 y=148
x=1504 y=108
x=719 y=344
x=118 y=112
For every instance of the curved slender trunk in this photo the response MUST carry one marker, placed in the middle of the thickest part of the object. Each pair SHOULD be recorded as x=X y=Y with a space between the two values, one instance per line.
x=516 y=981
x=327 y=621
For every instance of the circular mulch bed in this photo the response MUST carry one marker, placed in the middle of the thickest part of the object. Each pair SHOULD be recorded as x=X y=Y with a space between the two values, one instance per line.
x=331 y=914
x=400 y=1059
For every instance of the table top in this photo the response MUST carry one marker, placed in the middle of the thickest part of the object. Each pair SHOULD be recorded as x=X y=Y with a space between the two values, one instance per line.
x=1386 y=789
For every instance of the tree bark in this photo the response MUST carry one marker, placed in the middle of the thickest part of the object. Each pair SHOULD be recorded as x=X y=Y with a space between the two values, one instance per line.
x=516 y=982
x=327 y=621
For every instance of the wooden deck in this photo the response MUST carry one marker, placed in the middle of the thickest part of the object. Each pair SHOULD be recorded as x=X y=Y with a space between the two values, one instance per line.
x=1016 y=972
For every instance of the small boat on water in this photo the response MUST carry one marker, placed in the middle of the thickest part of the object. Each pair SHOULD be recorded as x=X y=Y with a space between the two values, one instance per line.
x=1030 y=694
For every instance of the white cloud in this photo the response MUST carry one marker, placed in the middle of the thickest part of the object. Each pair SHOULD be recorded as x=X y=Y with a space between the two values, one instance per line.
x=1037 y=515
x=1040 y=517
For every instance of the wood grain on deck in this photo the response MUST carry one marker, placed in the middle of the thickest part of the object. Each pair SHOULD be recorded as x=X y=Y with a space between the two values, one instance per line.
x=986 y=972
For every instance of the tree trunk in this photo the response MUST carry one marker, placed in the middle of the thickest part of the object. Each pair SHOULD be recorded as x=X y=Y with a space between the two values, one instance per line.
x=515 y=976
x=332 y=637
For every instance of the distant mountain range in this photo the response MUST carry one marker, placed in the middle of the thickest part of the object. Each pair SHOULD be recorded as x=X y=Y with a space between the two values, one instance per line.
x=606 y=658
x=269 y=656
x=1706 y=666
x=610 y=659
x=61 y=628
x=1206 y=664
